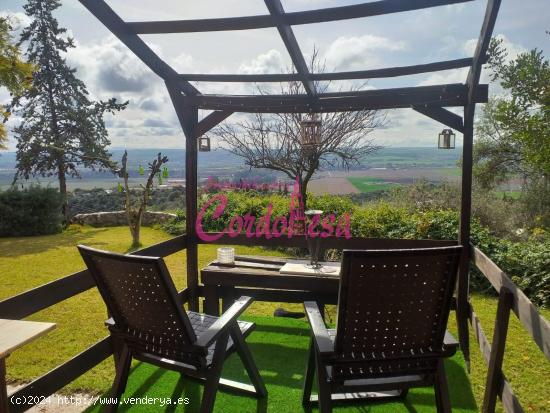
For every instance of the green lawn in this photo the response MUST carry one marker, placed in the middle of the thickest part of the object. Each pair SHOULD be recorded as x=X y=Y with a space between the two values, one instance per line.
x=367 y=184
x=28 y=262
x=280 y=347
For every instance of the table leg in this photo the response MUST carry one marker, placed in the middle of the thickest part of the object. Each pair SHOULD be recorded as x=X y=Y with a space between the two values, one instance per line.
x=228 y=297
x=4 y=402
x=211 y=300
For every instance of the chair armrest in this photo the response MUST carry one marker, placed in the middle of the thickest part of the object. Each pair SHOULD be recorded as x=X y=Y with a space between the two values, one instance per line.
x=222 y=323
x=450 y=344
x=321 y=338
x=184 y=295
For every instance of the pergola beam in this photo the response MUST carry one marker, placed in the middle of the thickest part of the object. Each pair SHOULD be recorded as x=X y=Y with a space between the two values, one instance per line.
x=440 y=95
x=118 y=27
x=357 y=74
x=354 y=11
x=442 y=115
x=211 y=121
x=287 y=35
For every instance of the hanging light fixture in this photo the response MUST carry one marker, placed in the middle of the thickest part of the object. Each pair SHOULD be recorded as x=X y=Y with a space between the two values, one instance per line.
x=446 y=139
x=311 y=131
x=204 y=144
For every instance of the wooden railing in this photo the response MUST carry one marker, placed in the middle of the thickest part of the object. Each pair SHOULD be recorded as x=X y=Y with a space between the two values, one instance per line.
x=511 y=299
x=37 y=299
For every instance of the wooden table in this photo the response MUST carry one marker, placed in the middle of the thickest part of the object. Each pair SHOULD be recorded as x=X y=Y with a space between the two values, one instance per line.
x=15 y=334
x=259 y=277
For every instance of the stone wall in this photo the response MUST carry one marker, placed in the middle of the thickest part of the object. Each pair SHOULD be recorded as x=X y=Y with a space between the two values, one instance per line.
x=118 y=218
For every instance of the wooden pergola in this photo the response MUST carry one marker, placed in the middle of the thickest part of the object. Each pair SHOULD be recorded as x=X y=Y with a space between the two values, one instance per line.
x=431 y=101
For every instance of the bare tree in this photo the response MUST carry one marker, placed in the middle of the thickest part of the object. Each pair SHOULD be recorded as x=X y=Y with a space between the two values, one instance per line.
x=274 y=141
x=135 y=206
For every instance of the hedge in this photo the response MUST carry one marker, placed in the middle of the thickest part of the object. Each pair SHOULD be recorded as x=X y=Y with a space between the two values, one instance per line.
x=527 y=262
x=31 y=211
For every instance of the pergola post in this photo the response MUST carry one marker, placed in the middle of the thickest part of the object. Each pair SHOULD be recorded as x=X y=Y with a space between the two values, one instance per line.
x=462 y=300
x=472 y=82
x=188 y=117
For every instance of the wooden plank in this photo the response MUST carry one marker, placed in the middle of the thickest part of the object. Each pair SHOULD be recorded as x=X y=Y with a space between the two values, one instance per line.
x=482 y=46
x=356 y=74
x=450 y=119
x=441 y=95
x=60 y=376
x=327 y=243
x=118 y=27
x=494 y=373
x=44 y=296
x=16 y=333
x=287 y=35
x=287 y=296
x=367 y=9
x=509 y=399
x=535 y=324
x=211 y=121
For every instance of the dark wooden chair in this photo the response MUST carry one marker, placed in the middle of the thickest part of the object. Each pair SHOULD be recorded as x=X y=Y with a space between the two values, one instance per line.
x=390 y=336
x=150 y=324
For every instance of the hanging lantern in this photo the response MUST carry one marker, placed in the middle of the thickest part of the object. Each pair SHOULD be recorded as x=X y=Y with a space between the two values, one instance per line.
x=204 y=144
x=311 y=131
x=446 y=139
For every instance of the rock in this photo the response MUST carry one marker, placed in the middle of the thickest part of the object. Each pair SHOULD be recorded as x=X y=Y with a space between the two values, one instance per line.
x=118 y=218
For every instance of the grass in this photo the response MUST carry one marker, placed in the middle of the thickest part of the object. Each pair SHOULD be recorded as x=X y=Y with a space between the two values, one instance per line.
x=280 y=348
x=367 y=184
x=28 y=262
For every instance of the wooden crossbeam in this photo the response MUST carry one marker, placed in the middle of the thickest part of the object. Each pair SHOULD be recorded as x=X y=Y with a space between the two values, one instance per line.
x=287 y=35
x=211 y=121
x=441 y=95
x=117 y=26
x=357 y=74
x=480 y=53
x=354 y=11
x=442 y=115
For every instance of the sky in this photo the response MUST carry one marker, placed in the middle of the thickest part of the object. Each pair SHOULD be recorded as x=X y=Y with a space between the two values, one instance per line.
x=109 y=69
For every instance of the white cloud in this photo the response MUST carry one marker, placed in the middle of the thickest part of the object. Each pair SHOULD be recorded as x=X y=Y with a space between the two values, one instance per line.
x=270 y=62
x=356 y=52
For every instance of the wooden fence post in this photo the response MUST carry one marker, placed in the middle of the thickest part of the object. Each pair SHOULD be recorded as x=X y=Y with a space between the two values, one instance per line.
x=494 y=381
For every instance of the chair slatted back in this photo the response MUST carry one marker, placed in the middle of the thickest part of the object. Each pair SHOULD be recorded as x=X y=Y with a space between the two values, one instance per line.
x=142 y=300
x=393 y=308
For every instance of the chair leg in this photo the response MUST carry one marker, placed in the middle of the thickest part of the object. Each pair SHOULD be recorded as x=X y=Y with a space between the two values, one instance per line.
x=441 y=388
x=325 y=392
x=308 y=377
x=248 y=361
x=213 y=376
x=121 y=377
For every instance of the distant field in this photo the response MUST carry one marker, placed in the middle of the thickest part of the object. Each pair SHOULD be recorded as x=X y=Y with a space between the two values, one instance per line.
x=366 y=184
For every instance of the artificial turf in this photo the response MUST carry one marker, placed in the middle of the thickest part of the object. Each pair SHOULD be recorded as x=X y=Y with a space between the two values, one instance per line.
x=279 y=347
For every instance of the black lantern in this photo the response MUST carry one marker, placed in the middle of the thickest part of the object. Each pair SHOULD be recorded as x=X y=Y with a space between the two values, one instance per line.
x=311 y=131
x=204 y=144
x=446 y=139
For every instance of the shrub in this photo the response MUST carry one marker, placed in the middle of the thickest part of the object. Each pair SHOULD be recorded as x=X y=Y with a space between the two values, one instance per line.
x=32 y=211
x=177 y=225
x=527 y=262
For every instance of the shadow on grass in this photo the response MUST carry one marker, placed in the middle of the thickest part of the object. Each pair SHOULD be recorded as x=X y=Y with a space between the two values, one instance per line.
x=20 y=246
x=280 y=352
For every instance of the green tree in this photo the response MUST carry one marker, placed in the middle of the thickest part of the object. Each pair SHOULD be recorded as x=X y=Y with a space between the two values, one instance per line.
x=61 y=128
x=514 y=129
x=15 y=73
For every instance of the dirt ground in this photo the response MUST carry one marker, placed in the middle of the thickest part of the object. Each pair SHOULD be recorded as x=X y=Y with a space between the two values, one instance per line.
x=336 y=182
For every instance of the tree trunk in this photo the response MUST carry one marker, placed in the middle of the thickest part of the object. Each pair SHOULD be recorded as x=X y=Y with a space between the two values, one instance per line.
x=135 y=228
x=63 y=189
